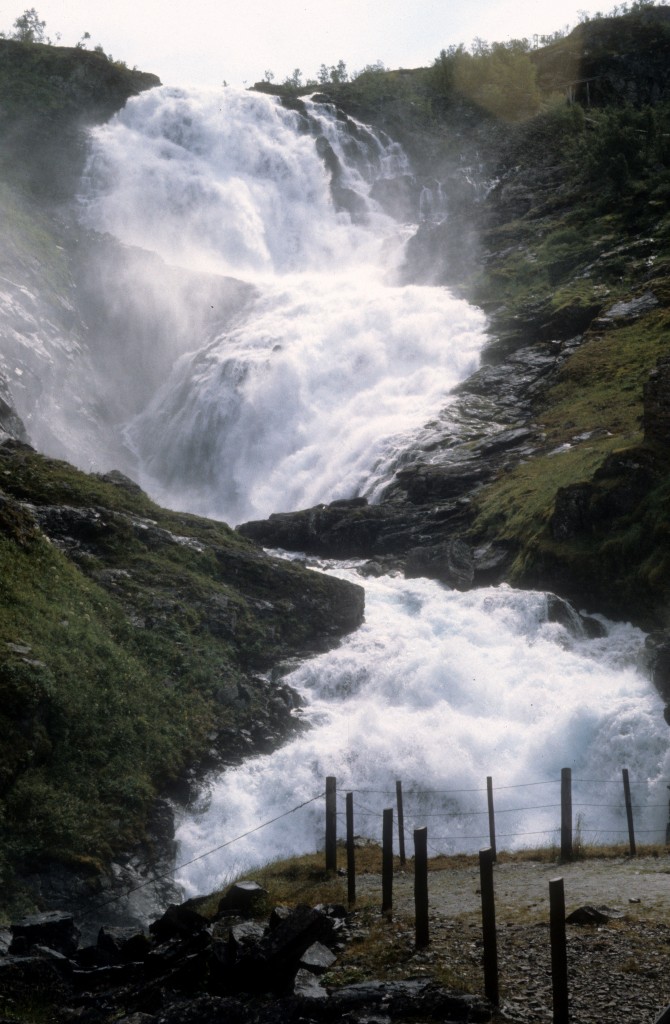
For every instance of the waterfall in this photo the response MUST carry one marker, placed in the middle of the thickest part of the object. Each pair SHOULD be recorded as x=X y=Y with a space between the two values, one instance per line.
x=265 y=358
x=313 y=389
x=440 y=690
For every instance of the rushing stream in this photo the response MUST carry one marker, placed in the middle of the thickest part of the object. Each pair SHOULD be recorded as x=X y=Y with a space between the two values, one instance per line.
x=312 y=389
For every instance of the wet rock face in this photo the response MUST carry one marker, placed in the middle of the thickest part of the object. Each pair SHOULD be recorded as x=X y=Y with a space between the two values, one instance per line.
x=657 y=648
x=451 y=563
x=422 y=518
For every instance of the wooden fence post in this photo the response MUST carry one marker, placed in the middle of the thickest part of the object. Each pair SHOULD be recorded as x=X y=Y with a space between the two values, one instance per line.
x=629 y=812
x=331 y=823
x=566 y=814
x=489 y=926
x=492 y=818
x=559 y=957
x=401 y=823
x=351 y=853
x=421 y=886
x=387 y=861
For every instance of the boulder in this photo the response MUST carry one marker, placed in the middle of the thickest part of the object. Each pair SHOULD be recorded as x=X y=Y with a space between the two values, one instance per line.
x=178 y=921
x=657 y=650
x=55 y=929
x=241 y=897
x=273 y=962
x=317 y=958
x=121 y=945
x=593 y=915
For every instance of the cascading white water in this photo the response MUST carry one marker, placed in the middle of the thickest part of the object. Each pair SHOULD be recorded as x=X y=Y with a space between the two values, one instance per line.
x=309 y=389
x=441 y=689
x=313 y=390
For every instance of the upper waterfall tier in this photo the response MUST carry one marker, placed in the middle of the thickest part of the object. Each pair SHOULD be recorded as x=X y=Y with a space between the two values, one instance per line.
x=310 y=384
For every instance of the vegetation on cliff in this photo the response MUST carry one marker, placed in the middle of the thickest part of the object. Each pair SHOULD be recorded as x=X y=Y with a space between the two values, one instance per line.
x=134 y=643
x=557 y=162
x=49 y=93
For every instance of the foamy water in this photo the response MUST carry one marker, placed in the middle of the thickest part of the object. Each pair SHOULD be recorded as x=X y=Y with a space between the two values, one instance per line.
x=441 y=689
x=315 y=389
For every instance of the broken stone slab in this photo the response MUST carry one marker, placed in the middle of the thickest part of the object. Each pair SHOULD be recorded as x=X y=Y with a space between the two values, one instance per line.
x=317 y=958
x=306 y=986
x=242 y=937
x=413 y=998
x=121 y=945
x=274 y=961
x=178 y=921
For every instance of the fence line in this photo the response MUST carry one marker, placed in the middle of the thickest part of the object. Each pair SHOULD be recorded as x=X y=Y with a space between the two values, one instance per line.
x=332 y=795
x=413 y=805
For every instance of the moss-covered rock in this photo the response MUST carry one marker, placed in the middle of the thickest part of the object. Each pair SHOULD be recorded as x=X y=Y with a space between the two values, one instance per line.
x=134 y=643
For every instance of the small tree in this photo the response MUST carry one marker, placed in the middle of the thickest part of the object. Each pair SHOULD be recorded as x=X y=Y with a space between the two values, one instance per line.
x=294 y=81
x=28 y=28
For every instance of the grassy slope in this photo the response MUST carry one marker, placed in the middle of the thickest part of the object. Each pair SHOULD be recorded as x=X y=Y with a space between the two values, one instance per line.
x=128 y=647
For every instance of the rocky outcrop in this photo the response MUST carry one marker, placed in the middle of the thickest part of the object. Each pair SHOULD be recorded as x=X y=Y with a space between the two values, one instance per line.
x=203 y=967
x=422 y=521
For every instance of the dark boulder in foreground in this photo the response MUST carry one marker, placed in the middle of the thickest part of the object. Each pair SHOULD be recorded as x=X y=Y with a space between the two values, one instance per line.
x=226 y=968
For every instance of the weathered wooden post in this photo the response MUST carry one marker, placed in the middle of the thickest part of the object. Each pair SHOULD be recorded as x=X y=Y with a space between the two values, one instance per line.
x=492 y=818
x=401 y=823
x=566 y=814
x=489 y=925
x=629 y=812
x=559 y=956
x=351 y=851
x=331 y=823
x=421 y=886
x=387 y=861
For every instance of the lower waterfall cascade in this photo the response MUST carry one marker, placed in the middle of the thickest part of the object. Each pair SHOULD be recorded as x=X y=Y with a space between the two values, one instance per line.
x=440 y=689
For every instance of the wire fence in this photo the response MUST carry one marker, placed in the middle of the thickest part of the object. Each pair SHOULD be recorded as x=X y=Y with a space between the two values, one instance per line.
x=460 y=817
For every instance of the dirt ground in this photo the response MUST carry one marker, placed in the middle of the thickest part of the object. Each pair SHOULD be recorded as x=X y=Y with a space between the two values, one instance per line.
x=618 y=970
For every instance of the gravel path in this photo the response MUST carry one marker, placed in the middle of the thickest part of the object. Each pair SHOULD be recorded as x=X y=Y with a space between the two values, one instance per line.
x=619 y=971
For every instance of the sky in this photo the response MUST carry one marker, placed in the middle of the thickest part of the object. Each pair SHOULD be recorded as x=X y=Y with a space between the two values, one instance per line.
x=207 y=42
